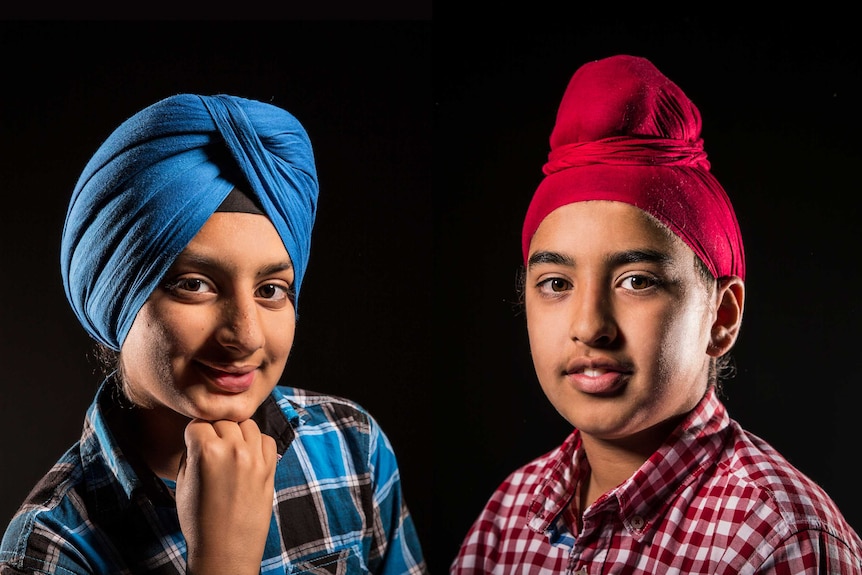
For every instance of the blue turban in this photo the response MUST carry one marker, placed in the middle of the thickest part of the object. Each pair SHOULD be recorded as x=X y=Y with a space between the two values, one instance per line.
x=155 y=181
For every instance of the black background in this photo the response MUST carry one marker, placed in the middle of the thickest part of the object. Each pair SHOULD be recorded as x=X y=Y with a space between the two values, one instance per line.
x=429 y=139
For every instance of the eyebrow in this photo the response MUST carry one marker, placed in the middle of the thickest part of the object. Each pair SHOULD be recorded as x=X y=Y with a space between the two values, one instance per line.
x=547 y=257
x=191 y=258
x=614 y=259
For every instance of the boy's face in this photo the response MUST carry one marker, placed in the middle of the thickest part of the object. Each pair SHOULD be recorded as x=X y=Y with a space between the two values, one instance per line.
x=619 y=320
x=212 y=340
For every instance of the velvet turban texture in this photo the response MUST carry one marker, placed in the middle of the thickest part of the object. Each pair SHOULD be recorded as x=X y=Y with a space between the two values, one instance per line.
x=155 y=181
x=625 y=132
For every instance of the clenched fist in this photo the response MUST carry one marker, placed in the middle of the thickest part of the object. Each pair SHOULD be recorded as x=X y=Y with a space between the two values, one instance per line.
x=224 y=496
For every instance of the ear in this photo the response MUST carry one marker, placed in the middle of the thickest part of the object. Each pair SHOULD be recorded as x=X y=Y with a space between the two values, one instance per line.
x=730 y=292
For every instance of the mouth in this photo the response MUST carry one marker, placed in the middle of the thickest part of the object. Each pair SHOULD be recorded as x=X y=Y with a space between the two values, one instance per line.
x=597 y=376
x=229 y=378
x=595 y=372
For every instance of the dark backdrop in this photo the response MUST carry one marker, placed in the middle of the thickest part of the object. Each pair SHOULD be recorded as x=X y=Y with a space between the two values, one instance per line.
x=408 y=303
x=781 y=109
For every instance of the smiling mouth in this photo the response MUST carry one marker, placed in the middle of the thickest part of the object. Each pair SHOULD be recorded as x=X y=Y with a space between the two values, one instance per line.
x=230 y=379
x=598 y=381
x=594 y=372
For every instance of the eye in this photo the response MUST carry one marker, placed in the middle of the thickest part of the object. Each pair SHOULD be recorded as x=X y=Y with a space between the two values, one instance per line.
x=276 y=292
x=188 y=285
x=639 y=282
x=554 y=285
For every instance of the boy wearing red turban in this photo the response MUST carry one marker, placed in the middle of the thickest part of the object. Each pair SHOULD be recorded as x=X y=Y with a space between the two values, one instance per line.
x=634 y=294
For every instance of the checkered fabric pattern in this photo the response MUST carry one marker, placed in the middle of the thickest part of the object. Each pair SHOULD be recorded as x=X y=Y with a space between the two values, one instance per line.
x=338 y=505
x=713 y=499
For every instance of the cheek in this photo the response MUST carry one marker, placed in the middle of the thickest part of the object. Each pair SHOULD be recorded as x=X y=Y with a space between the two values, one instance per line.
x=682 y=341
x=155 y=336
x=179 y=333
x=545 y=331
x=280 y=334
x=145 y=358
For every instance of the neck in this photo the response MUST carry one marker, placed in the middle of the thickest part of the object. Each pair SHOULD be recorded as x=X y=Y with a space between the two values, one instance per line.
x=158 y=435
x=613 y=461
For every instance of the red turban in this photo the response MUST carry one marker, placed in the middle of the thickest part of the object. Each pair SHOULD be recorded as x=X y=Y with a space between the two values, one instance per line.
x=625 y=132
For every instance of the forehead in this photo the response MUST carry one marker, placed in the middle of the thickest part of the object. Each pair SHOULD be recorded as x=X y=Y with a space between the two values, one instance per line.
x=223 y=226
x=604 y=226
x=237 y=236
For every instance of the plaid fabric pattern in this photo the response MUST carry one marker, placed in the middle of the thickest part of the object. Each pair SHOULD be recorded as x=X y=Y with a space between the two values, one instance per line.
x=338 y=505
x=714 y=499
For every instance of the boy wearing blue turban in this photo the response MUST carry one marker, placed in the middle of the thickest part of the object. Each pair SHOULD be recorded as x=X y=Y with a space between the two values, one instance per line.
x=184 y=248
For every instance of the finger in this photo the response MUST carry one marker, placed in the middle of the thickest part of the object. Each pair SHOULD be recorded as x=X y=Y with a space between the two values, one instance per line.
x=198 y=431
x=269 y=449
x=250 y=431
x=254 y=436
x=227 y=429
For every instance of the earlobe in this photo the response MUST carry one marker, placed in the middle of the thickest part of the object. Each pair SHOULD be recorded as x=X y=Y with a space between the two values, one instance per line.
x=728 y=315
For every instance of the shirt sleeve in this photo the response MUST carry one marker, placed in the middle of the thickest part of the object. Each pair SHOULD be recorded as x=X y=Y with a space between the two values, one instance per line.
x=401 y=550
x=812 y=552
x=31 y=547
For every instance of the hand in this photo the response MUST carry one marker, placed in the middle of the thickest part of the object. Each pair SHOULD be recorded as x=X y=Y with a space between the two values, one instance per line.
x=224 y=496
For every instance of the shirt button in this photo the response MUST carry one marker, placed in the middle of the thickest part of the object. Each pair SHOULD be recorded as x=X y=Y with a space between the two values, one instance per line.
x=637 y=522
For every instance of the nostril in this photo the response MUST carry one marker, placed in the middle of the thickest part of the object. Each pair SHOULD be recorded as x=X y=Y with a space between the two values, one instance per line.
x=241 y=327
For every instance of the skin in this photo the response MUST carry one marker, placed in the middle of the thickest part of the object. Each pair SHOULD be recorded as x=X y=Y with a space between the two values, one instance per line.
x=622 y=330
x=204 y=351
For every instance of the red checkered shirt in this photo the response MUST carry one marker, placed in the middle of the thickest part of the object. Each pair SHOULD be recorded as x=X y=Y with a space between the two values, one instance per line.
x=713 y=499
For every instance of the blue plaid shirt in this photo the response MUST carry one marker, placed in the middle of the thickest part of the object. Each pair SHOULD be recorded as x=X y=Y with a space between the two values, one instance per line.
x=338 y=506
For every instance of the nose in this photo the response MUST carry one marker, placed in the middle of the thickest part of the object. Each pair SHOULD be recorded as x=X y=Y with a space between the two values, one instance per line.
x=240 y=327
x=592 y=318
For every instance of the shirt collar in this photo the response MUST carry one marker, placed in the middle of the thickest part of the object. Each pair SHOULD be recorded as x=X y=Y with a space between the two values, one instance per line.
x=692 y=446
x=106 y=456
x=562 y=472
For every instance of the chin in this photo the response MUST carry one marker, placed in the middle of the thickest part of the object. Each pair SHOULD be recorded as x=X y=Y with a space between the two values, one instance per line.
x=231 y=408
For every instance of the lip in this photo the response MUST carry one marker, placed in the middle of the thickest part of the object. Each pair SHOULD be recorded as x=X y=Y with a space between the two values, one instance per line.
x=230 y=378
x=597 y=376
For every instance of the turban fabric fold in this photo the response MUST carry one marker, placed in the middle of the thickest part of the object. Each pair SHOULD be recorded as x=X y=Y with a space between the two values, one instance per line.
x=155 y=181
x=625 y=132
